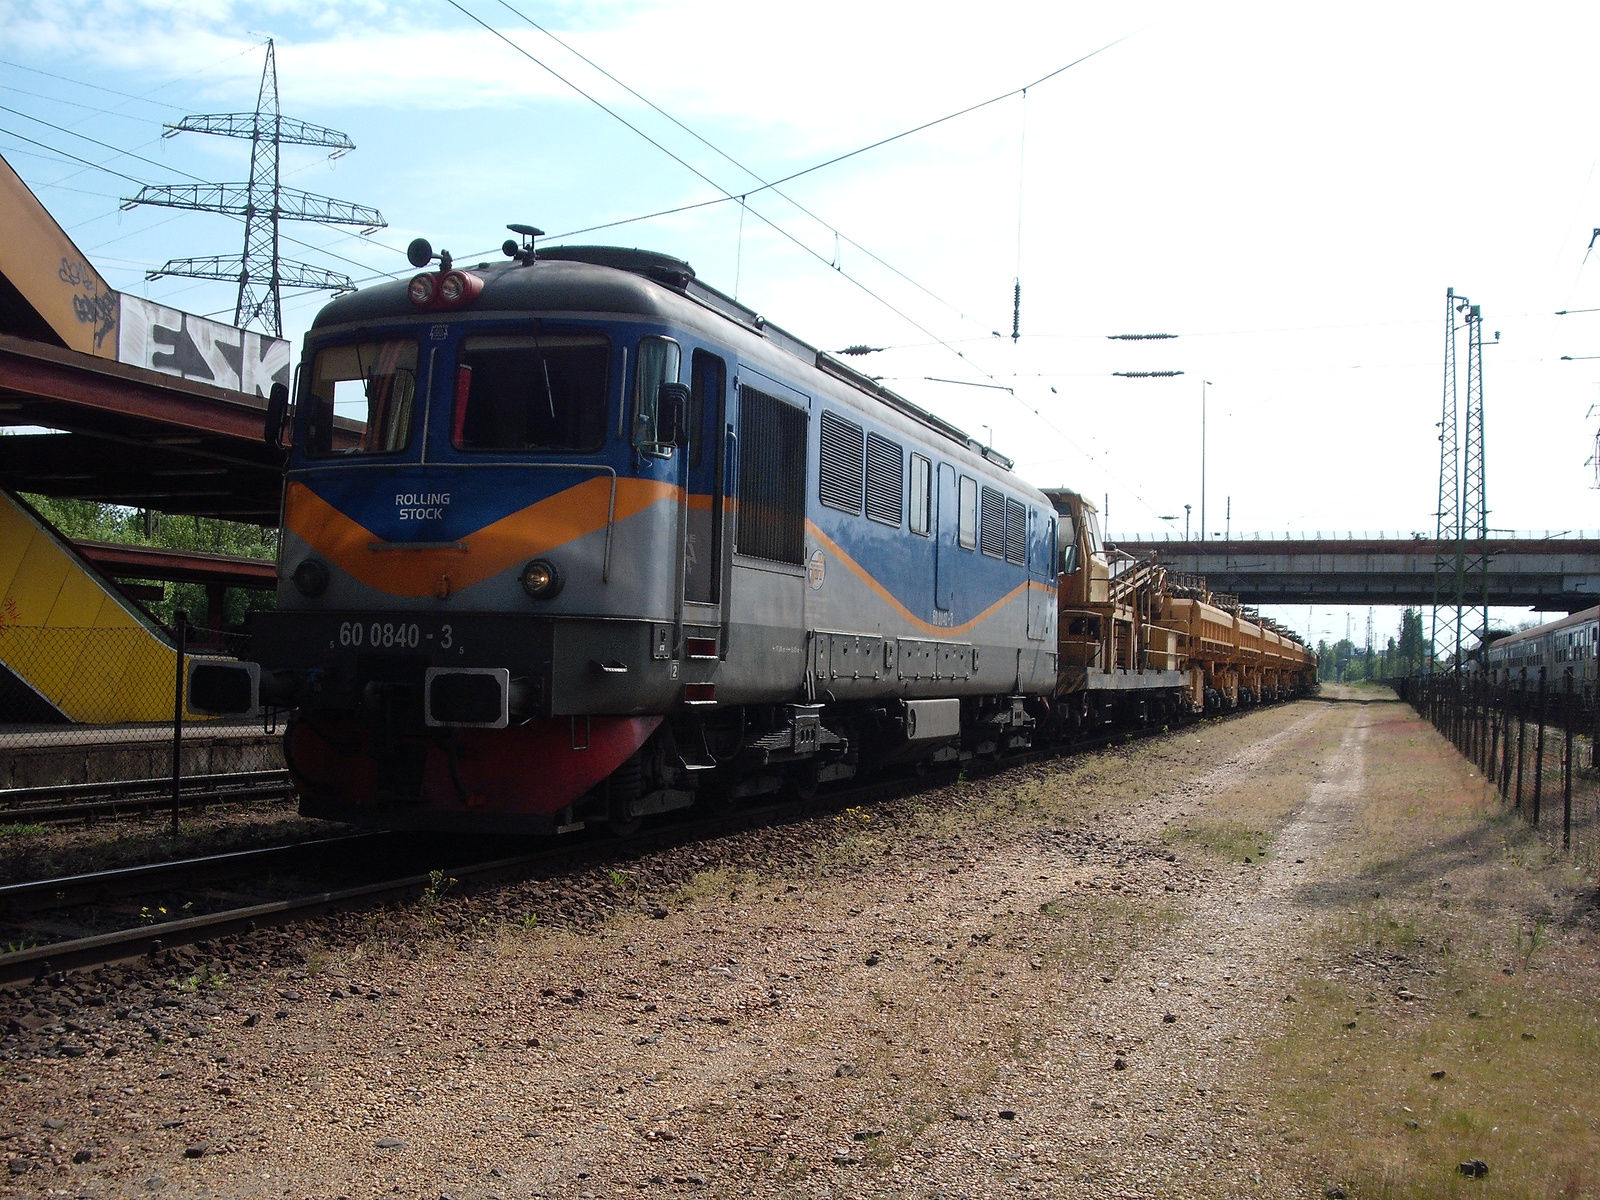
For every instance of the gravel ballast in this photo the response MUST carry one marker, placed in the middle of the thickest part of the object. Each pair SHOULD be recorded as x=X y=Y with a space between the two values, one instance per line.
x=1024 y=985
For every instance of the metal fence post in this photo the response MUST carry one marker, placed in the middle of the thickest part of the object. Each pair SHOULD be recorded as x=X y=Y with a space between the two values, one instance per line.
x=1480 y=718
x=1491 y=767
x=1538 y=751
x=180 y=632
x=1505 y=742
x=1522 y=736
x=1485 y=726
x=1566 y=769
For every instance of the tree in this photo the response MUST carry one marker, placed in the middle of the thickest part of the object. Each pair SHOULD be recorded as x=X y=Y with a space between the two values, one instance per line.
x=1413 y=648
x=100 y=522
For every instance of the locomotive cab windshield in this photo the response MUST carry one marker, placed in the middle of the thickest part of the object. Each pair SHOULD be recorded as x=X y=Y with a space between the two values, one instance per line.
x=532 y=392
x=371 y=384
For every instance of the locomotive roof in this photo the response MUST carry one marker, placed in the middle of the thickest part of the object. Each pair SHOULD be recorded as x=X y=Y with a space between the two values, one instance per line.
x=616 y=279
x=1538 y=631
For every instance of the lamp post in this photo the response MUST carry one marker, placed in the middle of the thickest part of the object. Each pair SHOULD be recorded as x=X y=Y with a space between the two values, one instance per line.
x=1186 y=509
x=1204 y=384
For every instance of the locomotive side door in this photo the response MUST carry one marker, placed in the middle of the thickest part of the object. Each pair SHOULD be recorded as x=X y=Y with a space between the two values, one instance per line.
x=945 y=566
x=704 y=471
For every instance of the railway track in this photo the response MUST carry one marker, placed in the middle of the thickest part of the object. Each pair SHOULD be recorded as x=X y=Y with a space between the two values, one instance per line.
x=43 y=961
x=56 y=803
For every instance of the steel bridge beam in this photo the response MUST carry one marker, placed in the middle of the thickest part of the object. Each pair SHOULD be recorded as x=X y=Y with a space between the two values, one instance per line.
x=1550 y=575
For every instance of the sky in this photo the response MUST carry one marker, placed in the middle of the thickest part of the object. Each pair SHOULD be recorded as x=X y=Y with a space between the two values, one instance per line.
x=1290 y=189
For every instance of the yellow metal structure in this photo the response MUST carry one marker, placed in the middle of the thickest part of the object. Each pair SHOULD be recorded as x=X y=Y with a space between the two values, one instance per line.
x=77 y=649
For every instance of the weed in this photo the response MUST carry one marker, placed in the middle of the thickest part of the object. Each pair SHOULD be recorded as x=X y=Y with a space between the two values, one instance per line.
x=17 y=947
x=619 y=879
x=439 y=884
x=149 y=916
x=529 y=920
x=1535 y=940
x=20 y=831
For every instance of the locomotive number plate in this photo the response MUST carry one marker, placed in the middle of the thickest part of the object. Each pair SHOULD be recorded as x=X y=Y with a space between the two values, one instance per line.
x=395 y=635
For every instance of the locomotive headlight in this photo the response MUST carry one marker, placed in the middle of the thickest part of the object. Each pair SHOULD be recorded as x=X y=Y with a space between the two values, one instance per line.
x=453 y=287
x=310 y=578
x=421 y=290
x=541 y=580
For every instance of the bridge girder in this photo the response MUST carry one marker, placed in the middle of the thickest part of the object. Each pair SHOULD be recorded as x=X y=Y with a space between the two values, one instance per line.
x=1550 y=575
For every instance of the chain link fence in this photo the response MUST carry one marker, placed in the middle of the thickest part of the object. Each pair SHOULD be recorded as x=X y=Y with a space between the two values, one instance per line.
x=87 y=704
x=1536 y=744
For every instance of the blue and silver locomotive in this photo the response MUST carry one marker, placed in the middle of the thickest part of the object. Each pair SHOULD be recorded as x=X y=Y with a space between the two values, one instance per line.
x=574 y=537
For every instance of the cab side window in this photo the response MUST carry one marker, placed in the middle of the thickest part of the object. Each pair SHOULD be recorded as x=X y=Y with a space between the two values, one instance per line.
x=967 y=514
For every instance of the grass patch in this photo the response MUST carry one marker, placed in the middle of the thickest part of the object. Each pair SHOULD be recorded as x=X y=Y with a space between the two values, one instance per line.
x=1448 y=1014
x=1235 y=841
x=1356 y=1077
x=22 y=831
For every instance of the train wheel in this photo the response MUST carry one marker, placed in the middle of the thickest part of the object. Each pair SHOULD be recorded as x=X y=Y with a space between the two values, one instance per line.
x=625 y=786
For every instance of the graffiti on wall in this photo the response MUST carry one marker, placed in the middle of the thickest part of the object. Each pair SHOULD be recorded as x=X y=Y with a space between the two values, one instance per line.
x=91 y=304
x=179 y=343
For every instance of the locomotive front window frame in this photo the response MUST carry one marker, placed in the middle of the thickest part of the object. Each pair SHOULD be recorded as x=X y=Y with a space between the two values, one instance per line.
x=386 y=372
x=532 y=393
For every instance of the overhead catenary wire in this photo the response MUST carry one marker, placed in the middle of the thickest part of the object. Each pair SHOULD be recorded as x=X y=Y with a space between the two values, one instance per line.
x=839 y=158
x=765 y=185
x=743 y=199
x=728 y=195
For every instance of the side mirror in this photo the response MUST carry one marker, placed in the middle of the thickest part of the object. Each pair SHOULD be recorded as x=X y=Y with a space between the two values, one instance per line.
x=277 y=415
x=672 y=400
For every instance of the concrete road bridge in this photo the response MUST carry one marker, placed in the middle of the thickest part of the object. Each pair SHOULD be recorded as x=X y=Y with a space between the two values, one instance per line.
x=1550 y=571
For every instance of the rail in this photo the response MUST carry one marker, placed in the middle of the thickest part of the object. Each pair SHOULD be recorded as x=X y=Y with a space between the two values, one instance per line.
x=1348 y=535
x=56 y=958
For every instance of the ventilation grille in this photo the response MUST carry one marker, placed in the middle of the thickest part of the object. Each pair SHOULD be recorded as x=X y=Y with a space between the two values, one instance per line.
x=992 y=523
x=886 y=480
x=772 y=478
x=839 y=482
x=1017 y=532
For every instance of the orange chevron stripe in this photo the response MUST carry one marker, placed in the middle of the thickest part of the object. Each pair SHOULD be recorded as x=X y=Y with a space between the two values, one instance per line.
x=886 y=595
x=508 y=542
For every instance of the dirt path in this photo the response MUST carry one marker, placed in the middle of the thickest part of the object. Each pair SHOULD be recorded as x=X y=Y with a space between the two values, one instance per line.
x=1068 y=981
x=1190 y=1010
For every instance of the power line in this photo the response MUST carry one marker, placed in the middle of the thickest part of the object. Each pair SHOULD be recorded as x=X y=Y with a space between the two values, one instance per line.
x=743 y=199
x=97 y=87
x=67 y=154
x=839 y=158
x=703 y=176
x=103 y=145
x=724 y=154
x=105 y=112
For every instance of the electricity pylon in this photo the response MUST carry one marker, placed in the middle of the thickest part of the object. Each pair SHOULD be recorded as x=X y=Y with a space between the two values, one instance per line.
x=263 y=202
x=1461 y=567
x=1472 y=551
x=1449 y=510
